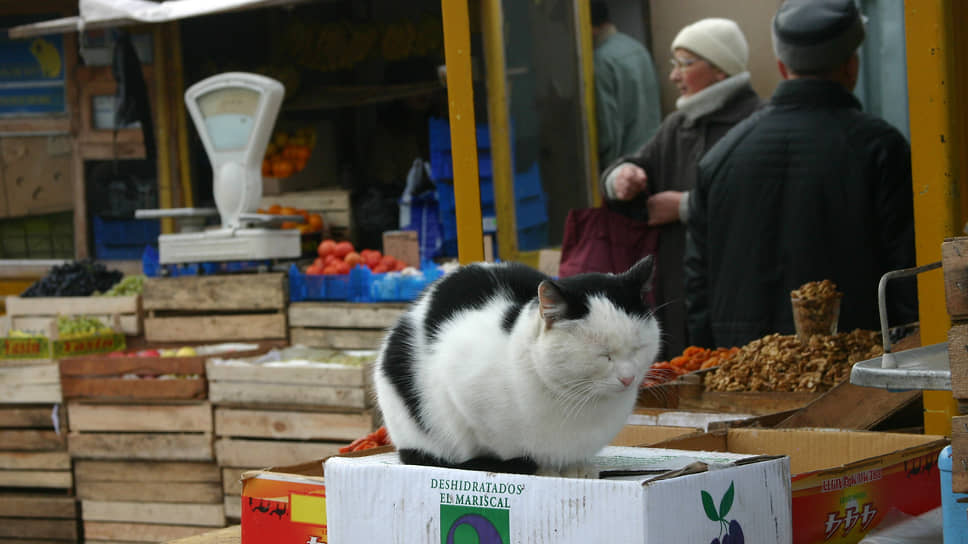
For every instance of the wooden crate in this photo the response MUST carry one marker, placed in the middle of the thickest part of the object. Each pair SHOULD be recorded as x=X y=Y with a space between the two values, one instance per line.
x=102 y=378
x=336 y=325
x=689 y=394
x=315 y=386
x=127 y=432
x=332 y=204
x=34 y=314
x=33 y=448
x=36 y=382
x=243 y=307
x=35 y=517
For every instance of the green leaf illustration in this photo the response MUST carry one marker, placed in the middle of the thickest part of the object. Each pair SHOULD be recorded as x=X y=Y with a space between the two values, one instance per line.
x=710 y=507
x=727 y=502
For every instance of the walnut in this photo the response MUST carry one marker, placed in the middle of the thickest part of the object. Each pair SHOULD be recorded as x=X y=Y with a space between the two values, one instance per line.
x=786 y=363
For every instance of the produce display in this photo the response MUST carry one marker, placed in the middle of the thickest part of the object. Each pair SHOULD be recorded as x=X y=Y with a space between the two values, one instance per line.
x=129 y=285
x=69 y=327
x=74 y=279
x=693 y=358
x=312 y=222
x=339 y=257
x=816 y=308
x=288 y=153
x=785 y=363
x=375 y=439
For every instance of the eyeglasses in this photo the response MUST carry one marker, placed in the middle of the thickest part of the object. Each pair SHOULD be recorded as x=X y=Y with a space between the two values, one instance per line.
x=682 y=64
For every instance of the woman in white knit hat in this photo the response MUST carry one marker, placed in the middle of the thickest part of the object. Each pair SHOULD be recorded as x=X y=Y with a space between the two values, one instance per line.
x=709 y=60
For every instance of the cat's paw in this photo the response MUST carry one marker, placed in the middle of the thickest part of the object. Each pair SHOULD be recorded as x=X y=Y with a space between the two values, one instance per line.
x=574 y=471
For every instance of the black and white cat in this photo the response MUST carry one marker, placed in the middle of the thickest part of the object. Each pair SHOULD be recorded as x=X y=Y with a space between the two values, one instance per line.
x=498 y=367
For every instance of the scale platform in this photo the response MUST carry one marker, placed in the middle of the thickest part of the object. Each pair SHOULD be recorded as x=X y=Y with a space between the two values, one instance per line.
x=918 y=368
x=228 y=245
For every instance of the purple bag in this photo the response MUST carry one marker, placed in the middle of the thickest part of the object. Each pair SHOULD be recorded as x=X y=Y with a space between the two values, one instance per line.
x=603 y=240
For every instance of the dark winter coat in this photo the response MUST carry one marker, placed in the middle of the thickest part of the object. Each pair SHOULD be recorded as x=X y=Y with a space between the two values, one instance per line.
x=808 y=188
x=670 y=160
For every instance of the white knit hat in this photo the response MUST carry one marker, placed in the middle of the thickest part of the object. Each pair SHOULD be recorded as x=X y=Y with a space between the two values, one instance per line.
x=720 y=41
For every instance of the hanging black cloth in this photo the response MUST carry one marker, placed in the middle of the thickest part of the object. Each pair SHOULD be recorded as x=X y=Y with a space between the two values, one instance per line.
x=131 y=99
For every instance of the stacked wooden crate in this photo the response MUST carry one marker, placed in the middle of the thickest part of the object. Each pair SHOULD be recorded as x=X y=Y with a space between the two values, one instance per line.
x=37 y=503
x=283 y=414
x=338 y=325
x=141 y=442
x=36 y=485
x=954 y=254
x=191 y=309
x=36 y=313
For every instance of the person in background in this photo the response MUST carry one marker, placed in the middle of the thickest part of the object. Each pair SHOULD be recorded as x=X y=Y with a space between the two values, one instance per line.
x=807 y=189
x=626 y=89
x=709 y=60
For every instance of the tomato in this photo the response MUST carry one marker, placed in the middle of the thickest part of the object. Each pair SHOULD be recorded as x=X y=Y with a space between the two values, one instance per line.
x=371 y=259
x=326 y=247
x=352 y=258
x=342 y=249
x=342 y=268
x=388 y=261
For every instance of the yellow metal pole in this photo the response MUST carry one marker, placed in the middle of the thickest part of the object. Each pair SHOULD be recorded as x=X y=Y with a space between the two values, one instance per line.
x=938 y=156
x=492 y=27
x=181 y=117
x=162 y=122
x=460 y=95
x=589 y=118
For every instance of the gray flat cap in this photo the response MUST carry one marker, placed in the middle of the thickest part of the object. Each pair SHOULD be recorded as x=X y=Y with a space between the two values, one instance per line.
x=812 y=36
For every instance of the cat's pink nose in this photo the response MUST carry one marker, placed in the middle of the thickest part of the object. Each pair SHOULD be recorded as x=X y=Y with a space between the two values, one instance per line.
x=626 y=380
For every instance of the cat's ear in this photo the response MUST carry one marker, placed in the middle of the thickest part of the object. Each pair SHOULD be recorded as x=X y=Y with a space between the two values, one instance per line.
x=551 y=302
x=641 y=274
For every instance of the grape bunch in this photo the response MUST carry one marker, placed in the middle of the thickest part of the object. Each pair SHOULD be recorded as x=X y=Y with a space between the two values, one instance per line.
x=129 y=285
x=79 y=326
x=74 y=279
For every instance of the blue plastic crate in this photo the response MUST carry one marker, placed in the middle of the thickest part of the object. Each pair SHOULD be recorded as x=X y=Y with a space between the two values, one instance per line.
x=391 y=286
x=439 y=131
x=304 y=287
x=124 y=238
x=531 y=211
x=532 y=238
x=528 y=184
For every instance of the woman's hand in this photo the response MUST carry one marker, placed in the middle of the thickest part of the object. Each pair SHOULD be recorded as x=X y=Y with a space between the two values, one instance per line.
x=663 y=207
x=630 y=180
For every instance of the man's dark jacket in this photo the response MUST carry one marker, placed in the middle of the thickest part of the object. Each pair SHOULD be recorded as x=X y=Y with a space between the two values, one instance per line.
x=806 y=189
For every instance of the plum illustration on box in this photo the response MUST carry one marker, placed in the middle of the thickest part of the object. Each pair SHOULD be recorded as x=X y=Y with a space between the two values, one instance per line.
x=730 y=532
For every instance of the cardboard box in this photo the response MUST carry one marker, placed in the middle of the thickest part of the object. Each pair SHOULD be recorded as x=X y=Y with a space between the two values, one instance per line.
x=36 y=172
x=844 y=482
x=284 y=505
x=402 y=245
x=376 y=499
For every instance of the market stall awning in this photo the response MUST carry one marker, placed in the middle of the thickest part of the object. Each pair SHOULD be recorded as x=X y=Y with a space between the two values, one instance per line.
x=94 y=14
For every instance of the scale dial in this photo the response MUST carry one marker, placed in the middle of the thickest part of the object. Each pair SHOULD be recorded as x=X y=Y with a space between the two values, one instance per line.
x=229 y=115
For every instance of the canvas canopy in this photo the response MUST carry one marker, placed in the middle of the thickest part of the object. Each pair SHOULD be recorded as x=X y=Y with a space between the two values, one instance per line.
x=93 y=14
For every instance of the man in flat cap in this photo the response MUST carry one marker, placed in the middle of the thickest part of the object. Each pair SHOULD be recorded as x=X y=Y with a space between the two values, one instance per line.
x=808 y=188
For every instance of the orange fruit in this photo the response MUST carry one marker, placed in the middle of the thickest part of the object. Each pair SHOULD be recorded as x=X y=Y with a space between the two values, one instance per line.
x=315 y=221
x=282 y=168
x=266 y=167
x=288 y=210
x=275 y=209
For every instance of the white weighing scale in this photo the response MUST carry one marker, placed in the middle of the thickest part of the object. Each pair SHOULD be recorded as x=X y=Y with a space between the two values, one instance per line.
x=234 y=113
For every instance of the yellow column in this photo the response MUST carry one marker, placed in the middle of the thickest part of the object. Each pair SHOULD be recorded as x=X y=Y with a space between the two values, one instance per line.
x=498 y=121
x=460 y=96
x=589 y=117
x=938 y=157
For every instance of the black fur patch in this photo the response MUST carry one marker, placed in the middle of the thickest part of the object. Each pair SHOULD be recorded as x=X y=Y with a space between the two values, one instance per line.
x=472 y=286
x=517 y=465
x=511 y=317
x=398 y=366
x=623 y=293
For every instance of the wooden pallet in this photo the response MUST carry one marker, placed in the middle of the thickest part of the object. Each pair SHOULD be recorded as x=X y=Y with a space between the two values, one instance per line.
x=35 y=313
x=340 y=325
x=38 y=517
x=125 y=432
x=243 y=307
x=33 y=448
